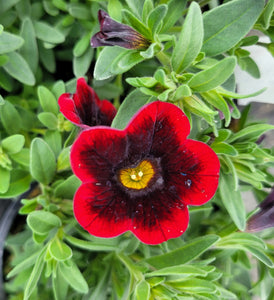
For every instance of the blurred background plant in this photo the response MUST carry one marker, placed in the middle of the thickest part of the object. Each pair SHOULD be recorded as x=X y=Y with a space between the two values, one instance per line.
x=194 y=48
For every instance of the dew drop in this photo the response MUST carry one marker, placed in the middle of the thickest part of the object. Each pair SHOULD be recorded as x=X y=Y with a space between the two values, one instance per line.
x=188 y=182
x=98 y=183
x=79 y=165
x=108 y=183
x=134 y=227
x=181 y=231
x=202 y=190
x=168 y=230
x=123 y=203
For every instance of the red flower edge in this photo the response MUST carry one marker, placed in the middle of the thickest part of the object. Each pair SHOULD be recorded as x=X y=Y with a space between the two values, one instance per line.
x=185 y=172
x=84 y=108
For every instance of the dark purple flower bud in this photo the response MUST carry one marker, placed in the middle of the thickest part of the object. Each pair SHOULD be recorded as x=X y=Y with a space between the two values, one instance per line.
x=264 y=218
x=113 y=33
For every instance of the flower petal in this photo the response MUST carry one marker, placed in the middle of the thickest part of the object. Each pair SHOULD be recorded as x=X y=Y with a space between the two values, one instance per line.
x=98 y=210
x=196 y=174
x=96 y=152
x=159 y=217
x=157 y=128
x=84 y=108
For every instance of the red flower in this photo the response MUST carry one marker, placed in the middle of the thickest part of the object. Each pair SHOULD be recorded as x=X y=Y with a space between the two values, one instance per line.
x=84 y=108
x=113 y=33
x=143 y=177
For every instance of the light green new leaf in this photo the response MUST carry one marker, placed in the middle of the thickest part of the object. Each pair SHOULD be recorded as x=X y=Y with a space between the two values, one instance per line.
x=42 y=161
x=59 y=286
x=132 y=103
x=19 y=69
x=182 y=255
x=5 y=180
x=224 y=148
x=47 y=100
x=73 y=276
x=19 y=183
x=59 y=250
x=9 y=42
x=13 y=143
x=227 y=24
x=49 y=120
x=214 y=76
x=266 y=15
x=142 y=290
x=41 y=222
x=190 y=40
x=232 y=200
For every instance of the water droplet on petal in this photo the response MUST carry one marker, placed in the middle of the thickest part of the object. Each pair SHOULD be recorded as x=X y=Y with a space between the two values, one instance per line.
x=108 y=183
x=134 y=227
x=188 y=182
x=202 y=190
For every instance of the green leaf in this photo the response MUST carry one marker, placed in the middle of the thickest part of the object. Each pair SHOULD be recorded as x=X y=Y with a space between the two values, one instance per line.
x=10 y=118
x=35 y=275
x=19 y=69
x=214 y=76
x=186 y=270
x=79 y=11
x=73 y=276
x=224 y=148
x=90 y=246
x=48 y=33
x=59 y=286
x=13 y=144
x=49 y=120
x=82 y=63
x=29 y=50
x=63 y=160
x=131 y=104
x=198 y=107
x=9 y=42
x=58 y=88
x=190 y=39
x=47 y=100
x=174 y=12
x=250 y=133
x=5 y=180
x=232 y=200
x=142 y=291
x=59 y=250
x=155 y=18
x=215 y=99
x=147 y=8
x=248 y=64
x=19 y=183
x=195 y=285
x=21 y=157
x=67 y=189
x=115 y=9
x=54 y=139
x=106 y=57
x=137 y=24
x=247 y=242
x=42 y=161
x=41 y=222
x=185 y=254
x=23 y=265
x=265 y=18
x=82 y=45
x=227 y=24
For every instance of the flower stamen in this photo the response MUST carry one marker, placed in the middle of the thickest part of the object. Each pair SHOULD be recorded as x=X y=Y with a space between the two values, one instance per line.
x=139 y=177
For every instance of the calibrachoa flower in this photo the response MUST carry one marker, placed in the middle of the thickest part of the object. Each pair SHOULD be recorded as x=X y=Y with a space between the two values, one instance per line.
x=143 y=177
x=113 y=33
x=264 y=218
x=84 y=108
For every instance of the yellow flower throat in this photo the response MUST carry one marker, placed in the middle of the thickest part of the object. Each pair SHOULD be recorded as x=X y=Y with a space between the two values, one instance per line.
x=139 y=177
